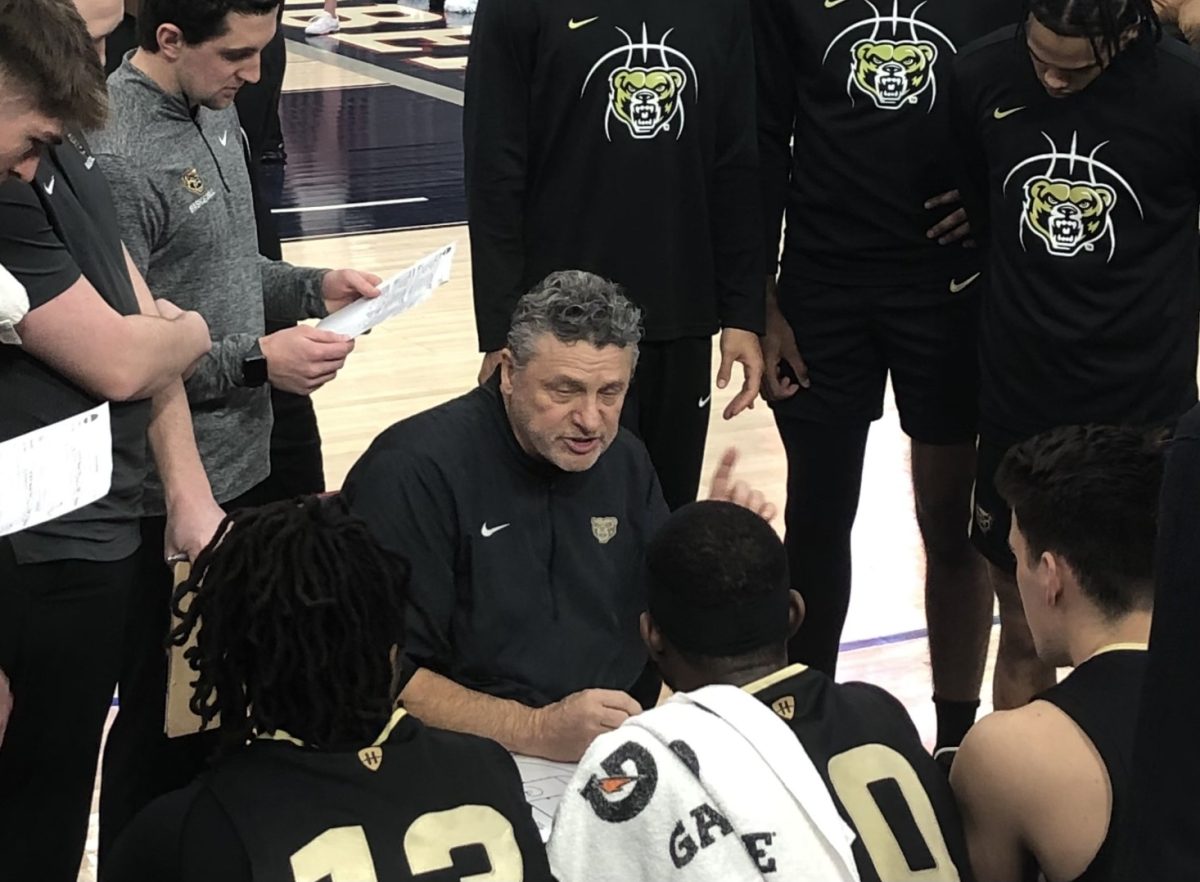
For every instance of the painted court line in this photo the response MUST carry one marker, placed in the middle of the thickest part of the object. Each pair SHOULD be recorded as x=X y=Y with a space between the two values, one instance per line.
x=302 y=208
x=365 y=68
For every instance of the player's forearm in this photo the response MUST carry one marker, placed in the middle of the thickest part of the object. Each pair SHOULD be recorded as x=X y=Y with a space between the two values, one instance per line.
x=155 y=352
x=441 y=702
x=173 y=444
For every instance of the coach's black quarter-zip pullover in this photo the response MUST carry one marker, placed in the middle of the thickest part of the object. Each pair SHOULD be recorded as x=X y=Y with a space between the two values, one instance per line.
x=526 y=580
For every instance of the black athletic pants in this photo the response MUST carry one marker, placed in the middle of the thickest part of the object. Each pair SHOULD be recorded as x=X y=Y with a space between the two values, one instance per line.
x=668 y=407
x=825 y=464
x=140 y=762
x=61 y=629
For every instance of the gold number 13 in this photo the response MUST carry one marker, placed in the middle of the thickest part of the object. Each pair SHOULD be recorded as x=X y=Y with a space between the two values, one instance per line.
x=343 y=854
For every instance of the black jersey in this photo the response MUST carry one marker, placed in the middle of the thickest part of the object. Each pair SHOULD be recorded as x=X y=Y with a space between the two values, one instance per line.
x=617 y=138
x=1088 y=208
x=860 y=86
x=884 y=783
x=1102 y=696
x=419 y=804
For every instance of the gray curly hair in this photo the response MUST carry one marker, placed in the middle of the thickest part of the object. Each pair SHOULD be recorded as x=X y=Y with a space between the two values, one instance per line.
x=574 y=305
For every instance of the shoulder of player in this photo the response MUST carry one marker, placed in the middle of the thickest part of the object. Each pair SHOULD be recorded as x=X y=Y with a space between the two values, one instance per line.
x=478 y=760
x=462 y=744
x=875 y=697
x=1016 y=758
x=1179 y=59
x=983 y=55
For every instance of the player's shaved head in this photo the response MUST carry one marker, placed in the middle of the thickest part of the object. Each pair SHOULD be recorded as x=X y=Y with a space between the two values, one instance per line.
x=721 y=608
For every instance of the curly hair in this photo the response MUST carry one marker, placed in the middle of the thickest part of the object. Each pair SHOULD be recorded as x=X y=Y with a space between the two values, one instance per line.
x=574 y=306
x=298 y=611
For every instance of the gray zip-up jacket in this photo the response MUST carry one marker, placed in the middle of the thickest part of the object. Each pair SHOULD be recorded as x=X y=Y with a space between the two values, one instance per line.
x=179 y=179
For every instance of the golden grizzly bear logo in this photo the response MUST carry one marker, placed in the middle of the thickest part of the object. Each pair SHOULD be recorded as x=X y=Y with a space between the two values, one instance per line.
x=1069 y=216
x=646 y=99
x=893 y=72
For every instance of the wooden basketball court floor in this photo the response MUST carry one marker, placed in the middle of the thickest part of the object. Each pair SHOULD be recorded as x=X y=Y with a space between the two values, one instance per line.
x=342 y=160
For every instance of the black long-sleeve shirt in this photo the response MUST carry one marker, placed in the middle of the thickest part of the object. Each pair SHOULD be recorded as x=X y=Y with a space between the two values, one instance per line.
x=1088 y=208
x=616 y=138
x=864 y=101
x=526 y=580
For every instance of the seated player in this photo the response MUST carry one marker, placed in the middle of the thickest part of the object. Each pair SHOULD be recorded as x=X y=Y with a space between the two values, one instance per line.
x=525 y=511
x=1046 y=788
x=847 y=790
x=295 y=611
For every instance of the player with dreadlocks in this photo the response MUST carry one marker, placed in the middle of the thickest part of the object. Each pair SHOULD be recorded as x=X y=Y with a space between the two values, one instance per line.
x=1079 y=134
x=296 y=611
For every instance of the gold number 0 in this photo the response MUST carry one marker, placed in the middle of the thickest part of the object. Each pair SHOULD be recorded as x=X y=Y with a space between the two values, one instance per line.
x=343 y=854
x=850 y=773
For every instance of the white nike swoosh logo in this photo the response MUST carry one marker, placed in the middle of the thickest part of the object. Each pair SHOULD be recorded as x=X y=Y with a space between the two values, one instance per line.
x=829 y=4
x=488 y=532
x=956 y=286
x=576 y=25
x=224 y=137
x=49 y=188
x=704 y=401
x=1001 y=114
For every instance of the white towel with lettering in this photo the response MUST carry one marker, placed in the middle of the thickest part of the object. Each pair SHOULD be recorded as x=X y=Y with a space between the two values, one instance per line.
x=710 y=787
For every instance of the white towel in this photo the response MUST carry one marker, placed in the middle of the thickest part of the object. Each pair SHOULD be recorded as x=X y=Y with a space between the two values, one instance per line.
x=757 y=809
x=14 y=304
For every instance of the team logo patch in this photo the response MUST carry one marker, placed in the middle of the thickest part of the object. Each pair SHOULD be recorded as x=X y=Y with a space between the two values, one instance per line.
x=785 y=707
x=983 y=519
x=604 y=529
x=646 y=89
x=894 y=65
x=371 y=757
x=1068 y=200
x=192 y=182
x=627 y=786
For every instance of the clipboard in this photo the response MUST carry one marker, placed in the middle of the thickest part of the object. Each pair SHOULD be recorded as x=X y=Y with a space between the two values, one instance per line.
x=180 y=720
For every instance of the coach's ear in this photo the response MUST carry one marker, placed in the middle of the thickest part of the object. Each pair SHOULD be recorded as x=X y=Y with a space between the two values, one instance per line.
x=795 y=613
x=651 y=636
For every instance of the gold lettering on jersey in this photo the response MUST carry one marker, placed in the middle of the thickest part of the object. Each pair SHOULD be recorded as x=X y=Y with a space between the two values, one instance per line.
x=192 y=182
x=371 y=757
x=604 y=529
x=784 y=707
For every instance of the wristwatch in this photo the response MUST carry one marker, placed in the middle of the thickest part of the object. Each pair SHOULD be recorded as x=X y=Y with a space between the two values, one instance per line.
x=254 y=367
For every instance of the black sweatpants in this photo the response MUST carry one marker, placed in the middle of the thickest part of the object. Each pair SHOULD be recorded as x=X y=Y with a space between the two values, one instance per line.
x=825 y=463
x=61 y=627
x=668 y=406
x=140 y=762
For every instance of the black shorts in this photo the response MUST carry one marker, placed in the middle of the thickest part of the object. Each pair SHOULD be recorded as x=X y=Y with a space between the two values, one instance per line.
x=851 y=338
x=991 y=517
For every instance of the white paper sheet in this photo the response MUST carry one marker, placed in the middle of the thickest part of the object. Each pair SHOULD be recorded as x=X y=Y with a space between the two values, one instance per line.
x=398 y=294
x=52 y=471
x=545 y=782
